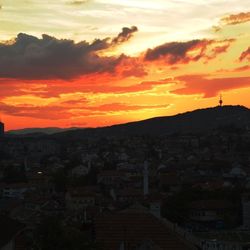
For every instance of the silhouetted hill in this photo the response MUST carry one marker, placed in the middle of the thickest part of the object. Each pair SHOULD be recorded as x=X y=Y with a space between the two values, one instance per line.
x=39 y=131
x=190 y=122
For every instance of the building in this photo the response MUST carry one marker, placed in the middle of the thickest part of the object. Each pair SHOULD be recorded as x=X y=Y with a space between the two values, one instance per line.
x=1 y=128
x=131 y=228
x=111 y=177
x=78 y=199
x=224 y=240
x=81 y=170
x=245 y=199
x=213 y=214
x=15 y=190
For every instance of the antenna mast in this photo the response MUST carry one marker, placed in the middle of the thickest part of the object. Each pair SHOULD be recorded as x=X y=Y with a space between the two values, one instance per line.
x=220 y=101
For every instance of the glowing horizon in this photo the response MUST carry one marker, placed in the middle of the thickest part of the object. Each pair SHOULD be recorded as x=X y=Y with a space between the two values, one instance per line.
x=92 y=63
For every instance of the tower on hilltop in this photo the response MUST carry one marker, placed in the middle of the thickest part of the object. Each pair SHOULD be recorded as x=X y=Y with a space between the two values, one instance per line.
x=220 y=101
x=1 y=128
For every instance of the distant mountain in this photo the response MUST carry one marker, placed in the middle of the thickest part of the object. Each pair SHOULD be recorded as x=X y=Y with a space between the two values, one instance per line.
x=196 y=121
x=190 y=122
x=39 y=131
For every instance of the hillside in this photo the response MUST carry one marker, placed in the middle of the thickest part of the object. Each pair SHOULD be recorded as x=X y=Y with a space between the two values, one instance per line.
x=190 y=122
x=39 y=131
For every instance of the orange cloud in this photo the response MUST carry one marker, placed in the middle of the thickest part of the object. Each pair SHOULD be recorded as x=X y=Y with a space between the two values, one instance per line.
x=245 y=55
x=45 y=112
x=65 y=82
x=208 y=86
x=112 y=107
x=71 y=109
x=238 y=69
x=234 y=19
x=97 y=86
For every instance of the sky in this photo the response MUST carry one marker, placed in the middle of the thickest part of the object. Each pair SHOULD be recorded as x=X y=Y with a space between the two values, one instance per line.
x=92 y=63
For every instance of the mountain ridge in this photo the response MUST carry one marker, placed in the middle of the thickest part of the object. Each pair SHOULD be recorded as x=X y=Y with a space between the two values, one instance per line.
x=188 y=122
x=46 y=130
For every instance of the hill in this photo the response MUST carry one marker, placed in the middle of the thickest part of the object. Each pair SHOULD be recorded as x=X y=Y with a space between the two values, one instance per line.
x=39 y=131
x=196 y=121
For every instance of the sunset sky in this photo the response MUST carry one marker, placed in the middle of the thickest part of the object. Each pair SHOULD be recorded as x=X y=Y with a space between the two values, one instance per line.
x=90 y=63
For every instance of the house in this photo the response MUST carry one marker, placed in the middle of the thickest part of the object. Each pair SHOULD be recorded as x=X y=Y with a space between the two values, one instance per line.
x=130 y=195
x=79 y=198
x=212 y=213
x=224 y=240
x=52 y=208
x=15 y=190
x=111 y=177
x=30 y=211
x=34 y=200
x=170 y=182
x=212 y=185
x=236 y=172
x=154 y=201
x=147 y=245
x=81 y=170
x=134 y=227
x=27 y=216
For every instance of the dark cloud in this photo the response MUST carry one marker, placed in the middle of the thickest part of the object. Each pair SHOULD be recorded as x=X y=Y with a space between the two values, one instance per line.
x=234 y=19
x=125 y=35
x=245 y=55
x=78 y=2
x=29 y=57
x=185 y=52
x=174 y=51
x=216 y=28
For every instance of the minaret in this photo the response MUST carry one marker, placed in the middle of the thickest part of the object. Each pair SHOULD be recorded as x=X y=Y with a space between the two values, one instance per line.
x=145 y=179
x=89 y=165
x=26 y=165
x=220 y=101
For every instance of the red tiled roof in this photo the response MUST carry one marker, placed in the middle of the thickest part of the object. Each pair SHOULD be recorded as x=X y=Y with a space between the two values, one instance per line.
x=133 y=226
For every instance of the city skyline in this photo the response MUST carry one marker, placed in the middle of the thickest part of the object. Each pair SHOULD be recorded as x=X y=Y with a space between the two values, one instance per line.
x=95 y=63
